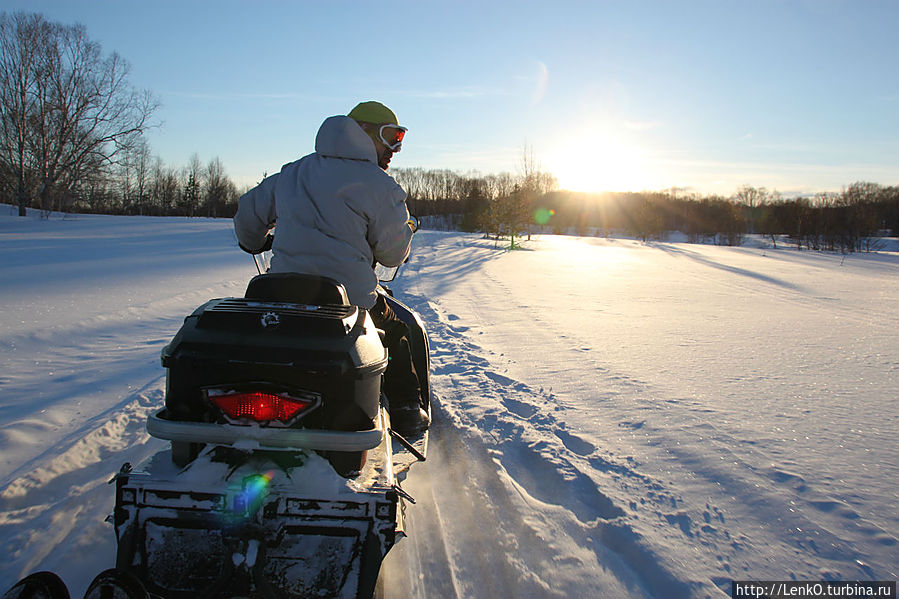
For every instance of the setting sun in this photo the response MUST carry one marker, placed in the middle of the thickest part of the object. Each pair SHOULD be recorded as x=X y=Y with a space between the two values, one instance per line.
x=595 y=160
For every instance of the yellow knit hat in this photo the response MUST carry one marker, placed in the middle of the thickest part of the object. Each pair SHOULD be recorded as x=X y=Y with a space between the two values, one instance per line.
x=373 y=112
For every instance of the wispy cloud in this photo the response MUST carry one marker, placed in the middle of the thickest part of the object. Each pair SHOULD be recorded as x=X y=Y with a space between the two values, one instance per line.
x=231 y=96
x=542 y=83
x=460 y=93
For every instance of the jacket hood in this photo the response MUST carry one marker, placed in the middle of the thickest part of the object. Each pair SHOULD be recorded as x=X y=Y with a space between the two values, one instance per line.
x=342 y=137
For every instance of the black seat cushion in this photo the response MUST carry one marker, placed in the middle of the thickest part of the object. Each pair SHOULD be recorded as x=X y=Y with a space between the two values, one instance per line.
x=297 y=288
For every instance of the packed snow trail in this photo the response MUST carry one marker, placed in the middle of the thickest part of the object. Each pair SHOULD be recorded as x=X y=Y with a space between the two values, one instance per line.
x=517 y=510
x=507 y=508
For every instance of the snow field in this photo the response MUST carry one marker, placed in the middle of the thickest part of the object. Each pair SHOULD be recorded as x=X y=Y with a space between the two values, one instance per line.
x=612 y=418
x=711 y=405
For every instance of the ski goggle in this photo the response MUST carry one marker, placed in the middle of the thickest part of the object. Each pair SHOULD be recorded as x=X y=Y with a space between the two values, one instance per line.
x=392 y=136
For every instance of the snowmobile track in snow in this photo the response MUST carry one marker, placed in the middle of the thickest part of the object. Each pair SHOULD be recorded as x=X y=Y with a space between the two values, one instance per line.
x=61 y=498
x=510 y=502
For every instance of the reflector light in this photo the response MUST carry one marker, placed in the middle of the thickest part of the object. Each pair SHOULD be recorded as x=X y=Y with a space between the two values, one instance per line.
x=260 y=406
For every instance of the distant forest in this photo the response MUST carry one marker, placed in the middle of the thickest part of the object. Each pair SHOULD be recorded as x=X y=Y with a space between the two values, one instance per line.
x=850 y=220
x=72 y=139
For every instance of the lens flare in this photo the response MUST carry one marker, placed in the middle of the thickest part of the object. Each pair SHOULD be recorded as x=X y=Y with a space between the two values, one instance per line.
x=255 y=489
x=542 y=215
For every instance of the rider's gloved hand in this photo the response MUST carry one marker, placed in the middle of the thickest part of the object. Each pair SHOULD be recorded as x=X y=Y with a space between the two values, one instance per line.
x=266 y=246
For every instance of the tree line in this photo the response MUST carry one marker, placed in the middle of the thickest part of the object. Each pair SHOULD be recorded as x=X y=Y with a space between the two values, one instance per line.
x=850 y=220
x=72 y=139
x=518 y=204
x=72 y=131
x=142 y=184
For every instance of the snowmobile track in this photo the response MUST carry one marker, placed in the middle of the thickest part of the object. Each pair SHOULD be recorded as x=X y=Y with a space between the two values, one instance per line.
x=60 y=499
x=488 y=469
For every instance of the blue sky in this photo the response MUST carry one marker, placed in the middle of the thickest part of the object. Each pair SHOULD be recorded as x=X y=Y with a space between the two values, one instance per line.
x=798 y=96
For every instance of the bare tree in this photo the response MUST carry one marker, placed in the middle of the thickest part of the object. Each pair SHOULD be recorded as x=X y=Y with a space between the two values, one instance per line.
x=528 y=189
x=752 y=198
x=140 y=159
x=412 y=181
x=133 y=178
x=68 y=111
x=859 y=222
x=770 y=221
x=218 y=190
x=193 y=180
x=497 y=188
x=516 y=197
x=22 y=37
x=164 y=187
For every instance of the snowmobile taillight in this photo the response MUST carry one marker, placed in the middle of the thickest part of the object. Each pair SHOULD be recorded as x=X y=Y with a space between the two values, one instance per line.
x=260 y=406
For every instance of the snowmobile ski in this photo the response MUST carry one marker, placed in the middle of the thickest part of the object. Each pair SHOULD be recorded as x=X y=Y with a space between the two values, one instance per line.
x=116 y=584
x=40 y=585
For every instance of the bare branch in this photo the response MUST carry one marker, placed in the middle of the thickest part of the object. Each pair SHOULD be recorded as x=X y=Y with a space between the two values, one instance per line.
x=68 y=111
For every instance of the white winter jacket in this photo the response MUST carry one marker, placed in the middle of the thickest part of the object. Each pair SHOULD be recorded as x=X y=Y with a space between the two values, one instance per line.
x=336 y=211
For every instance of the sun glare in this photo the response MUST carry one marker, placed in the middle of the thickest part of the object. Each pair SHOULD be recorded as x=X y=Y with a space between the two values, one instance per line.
x=594 y=161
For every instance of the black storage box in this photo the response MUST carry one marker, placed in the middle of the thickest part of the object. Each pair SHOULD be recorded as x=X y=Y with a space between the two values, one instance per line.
x=331 y=351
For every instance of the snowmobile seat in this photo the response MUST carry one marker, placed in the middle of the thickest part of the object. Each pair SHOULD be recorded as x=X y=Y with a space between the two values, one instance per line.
x=297 y=288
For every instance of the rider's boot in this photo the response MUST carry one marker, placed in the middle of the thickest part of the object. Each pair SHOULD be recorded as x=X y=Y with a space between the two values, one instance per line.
x=407 y=417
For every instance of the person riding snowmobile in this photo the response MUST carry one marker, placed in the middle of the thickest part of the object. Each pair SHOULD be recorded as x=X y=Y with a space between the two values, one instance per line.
x=338 y=212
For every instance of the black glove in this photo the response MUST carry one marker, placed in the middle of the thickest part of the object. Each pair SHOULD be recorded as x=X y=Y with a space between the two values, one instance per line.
x=266 y=246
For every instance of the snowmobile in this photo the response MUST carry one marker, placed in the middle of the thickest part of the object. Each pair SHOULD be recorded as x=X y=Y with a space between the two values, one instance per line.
x=282 y=478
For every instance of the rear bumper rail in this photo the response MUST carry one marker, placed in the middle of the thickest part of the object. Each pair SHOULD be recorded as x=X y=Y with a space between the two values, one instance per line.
x=276 y=438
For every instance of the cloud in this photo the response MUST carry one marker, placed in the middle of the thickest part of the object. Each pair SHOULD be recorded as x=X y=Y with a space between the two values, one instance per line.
x=226 y=96
x=461 y=93
x=542 y=82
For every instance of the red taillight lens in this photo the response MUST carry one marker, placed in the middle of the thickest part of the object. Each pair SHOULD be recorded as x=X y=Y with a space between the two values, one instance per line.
x=259 y=405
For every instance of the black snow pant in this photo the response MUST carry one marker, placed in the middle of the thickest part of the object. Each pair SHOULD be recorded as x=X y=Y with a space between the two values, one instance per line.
x=400 y=380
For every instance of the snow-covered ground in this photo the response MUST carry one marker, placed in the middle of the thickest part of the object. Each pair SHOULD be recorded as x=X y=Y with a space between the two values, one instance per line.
x=613 y=418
